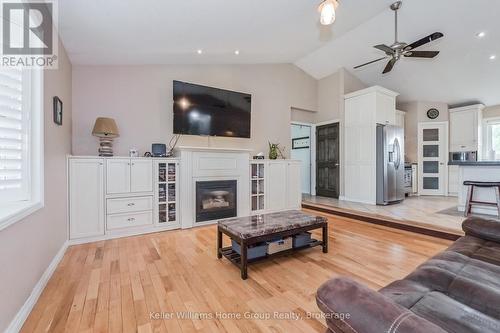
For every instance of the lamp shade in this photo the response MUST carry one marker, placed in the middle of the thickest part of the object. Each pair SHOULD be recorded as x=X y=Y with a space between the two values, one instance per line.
x=105 y=127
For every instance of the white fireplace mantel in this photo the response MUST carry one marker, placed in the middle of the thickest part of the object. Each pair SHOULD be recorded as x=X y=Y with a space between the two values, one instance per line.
x=209 y=164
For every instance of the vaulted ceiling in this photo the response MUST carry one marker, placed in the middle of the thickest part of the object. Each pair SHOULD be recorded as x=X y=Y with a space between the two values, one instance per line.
x=461 y=73
x=171 y=31
x=131 y=32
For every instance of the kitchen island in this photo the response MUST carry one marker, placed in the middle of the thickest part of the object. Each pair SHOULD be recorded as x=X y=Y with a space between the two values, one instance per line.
x=484 y=171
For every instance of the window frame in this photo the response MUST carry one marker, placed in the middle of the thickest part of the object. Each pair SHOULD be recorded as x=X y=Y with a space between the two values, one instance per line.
x=13 y=212
x=487 y=139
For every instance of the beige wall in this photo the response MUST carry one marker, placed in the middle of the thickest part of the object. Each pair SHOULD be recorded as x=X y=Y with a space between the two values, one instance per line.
x=330 y=97
x=352 y=83
x=491 y=112
x=140 y=99
x=28 y=246
x=416 y=112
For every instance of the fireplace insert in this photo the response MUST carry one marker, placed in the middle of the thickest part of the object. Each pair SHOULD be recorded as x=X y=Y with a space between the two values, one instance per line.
x=215 y=200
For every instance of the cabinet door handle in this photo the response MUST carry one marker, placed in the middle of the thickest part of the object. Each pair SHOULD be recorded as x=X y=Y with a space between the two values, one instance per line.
x=131 y=219
x=131 y=204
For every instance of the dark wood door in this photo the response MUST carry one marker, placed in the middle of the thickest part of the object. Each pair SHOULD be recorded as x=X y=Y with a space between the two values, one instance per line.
x=327 y=160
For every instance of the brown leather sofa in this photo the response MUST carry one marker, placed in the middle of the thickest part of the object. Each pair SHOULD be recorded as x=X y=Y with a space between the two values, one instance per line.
x=457 y=291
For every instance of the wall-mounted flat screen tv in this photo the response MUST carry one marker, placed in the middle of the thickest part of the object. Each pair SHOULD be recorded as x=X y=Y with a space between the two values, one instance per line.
x=200 y=110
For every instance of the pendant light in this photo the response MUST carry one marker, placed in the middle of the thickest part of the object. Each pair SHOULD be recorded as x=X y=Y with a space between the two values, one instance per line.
x=327 y=9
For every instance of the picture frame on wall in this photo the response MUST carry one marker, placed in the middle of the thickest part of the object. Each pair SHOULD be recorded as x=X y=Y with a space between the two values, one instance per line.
x=301 y=143
x=58 y=110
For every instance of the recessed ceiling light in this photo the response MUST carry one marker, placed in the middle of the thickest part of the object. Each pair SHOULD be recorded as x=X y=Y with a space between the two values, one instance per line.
x=200 y=51
x=237 y=52
x=481 y=34
x=493 y=57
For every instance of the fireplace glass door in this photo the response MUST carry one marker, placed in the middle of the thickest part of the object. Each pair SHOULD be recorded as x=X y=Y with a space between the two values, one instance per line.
x=215 y=200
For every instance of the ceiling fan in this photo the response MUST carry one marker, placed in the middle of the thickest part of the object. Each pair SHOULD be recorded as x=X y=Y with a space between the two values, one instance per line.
x=399 y=49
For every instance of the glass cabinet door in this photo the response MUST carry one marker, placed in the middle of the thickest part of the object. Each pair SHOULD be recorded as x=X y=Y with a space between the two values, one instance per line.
x=167 y=192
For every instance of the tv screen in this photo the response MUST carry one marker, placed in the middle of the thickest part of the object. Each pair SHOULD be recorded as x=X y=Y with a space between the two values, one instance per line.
x=200 y=110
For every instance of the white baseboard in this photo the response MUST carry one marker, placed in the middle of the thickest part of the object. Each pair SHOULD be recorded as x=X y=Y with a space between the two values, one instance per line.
x=17 y=323
x=123 y=233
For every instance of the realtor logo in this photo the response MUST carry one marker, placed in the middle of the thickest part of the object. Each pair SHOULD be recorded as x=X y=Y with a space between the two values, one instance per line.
x=29 y=38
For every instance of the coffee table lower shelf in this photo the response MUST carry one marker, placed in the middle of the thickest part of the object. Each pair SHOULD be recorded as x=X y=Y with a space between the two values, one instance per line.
x=235 y=257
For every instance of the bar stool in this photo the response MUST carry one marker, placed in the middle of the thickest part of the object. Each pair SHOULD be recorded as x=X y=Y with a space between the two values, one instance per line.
x=470 y=193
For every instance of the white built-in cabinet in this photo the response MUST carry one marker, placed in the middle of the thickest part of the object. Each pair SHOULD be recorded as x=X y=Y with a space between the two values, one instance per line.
x=86 y=193
x=275 y=185
x=120 y=196
x=126 y=175
x=364 y=109
x=115 y=196
x=465 y=125
x=294 y=185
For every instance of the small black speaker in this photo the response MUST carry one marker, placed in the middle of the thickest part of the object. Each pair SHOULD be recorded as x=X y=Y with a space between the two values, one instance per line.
x=159 y=149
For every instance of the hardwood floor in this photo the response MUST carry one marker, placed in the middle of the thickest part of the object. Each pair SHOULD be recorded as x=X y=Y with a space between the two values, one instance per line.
x=114 y=285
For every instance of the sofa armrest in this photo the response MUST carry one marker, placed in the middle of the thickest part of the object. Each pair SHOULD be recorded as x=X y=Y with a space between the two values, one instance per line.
x=353 y=308
x=482 y=228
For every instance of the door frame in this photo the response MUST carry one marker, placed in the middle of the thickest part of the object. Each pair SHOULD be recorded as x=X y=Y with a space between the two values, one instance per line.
x=312 y=154
x=420 y=127
x=341 y=155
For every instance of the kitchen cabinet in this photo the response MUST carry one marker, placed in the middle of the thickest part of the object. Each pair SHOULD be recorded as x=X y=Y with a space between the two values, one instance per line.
x=465 y=123
x=400 y=119
x=86 y=197
x=125 y=175
x=385 y=108
x=453 y=185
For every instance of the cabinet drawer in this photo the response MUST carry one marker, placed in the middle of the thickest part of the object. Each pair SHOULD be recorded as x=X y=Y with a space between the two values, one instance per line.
x=129 y=220
x=126 y=205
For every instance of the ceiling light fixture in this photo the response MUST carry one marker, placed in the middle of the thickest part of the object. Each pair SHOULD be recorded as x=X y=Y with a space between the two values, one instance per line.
x=200 y=51
x=237 y=52
x=327 y=11
x=493 y=57
x=481 y=34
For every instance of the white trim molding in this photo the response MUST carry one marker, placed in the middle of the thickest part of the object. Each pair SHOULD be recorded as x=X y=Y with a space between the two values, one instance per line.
x=17 y=323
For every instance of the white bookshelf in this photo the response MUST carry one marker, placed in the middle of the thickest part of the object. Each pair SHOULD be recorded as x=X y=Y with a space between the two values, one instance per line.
x=257 y=187
x=166 y=190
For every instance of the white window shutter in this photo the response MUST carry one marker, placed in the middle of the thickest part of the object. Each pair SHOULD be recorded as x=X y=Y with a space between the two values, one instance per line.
x=14 y=136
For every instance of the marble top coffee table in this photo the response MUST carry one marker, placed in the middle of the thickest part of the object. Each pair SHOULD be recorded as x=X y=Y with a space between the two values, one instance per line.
x=247 y=231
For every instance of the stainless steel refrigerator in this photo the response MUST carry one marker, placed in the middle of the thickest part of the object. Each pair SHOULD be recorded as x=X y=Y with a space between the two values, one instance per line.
x=390 y=164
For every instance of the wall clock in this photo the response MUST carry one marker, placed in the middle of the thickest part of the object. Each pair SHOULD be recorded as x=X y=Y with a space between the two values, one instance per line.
x=433 y=113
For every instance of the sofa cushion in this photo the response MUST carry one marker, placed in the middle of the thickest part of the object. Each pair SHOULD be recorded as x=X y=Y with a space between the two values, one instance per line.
x=482 y=228
x=477 y=248
x=460 y=275
x=454 y=316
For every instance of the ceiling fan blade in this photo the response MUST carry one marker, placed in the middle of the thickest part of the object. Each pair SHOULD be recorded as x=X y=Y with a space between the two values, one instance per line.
x=389 y=66
x=424 y=40
x=387 y=49
x=370 y=62
x=421 y=54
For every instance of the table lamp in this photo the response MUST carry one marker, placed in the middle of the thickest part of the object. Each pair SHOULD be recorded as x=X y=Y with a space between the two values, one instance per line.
x=106 y=130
